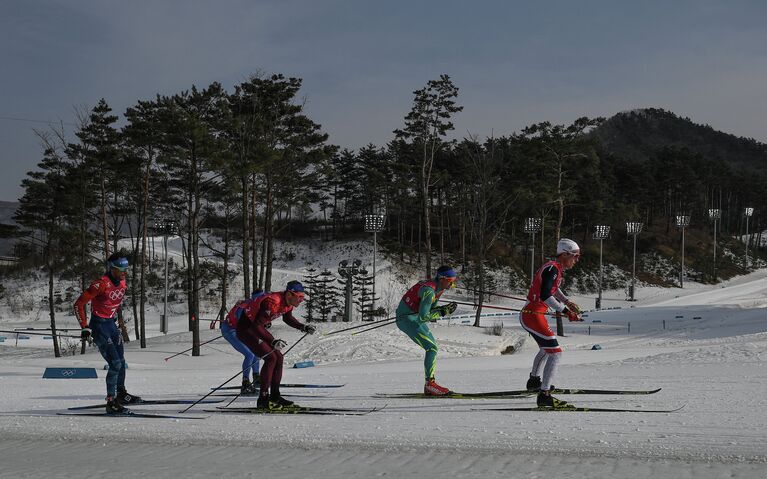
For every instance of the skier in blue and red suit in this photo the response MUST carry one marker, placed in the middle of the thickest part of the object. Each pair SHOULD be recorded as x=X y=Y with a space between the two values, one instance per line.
x=106 y=295
x=416 y=309
x=229 y=332
x=544 y=294
x=252 y=330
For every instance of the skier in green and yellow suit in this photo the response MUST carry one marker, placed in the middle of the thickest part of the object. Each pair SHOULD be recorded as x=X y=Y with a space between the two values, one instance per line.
x=416 y=309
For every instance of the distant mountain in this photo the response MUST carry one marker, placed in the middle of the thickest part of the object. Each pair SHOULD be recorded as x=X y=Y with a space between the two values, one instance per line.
x=638 y=134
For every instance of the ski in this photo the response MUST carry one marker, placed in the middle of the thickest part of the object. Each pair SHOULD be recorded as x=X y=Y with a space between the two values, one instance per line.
x=581 y=409
x=521 y=392
x=302 y=410
x=150 y=402
x=131 y=414
x=291 y=385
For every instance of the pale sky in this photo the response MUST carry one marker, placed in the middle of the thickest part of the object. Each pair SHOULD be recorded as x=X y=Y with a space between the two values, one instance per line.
x=515 y=62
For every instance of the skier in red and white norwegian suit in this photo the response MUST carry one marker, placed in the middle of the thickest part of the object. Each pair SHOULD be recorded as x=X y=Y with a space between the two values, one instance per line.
x=106 y=295
x=544 y=294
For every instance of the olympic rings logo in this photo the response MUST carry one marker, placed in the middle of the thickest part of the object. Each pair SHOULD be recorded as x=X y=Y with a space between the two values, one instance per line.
x=68 y=372
x=116 y=294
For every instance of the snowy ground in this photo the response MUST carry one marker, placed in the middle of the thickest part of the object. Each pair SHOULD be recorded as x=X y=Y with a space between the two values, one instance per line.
x=710 y=356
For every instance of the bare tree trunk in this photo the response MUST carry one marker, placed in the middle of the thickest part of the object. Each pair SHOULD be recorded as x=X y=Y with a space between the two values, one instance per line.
x=51 y=304
x=245 y=237
x=104 y=217
x=142 y=275
x=254 y=233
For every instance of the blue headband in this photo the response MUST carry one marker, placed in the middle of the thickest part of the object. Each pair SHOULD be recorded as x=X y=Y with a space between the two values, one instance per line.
x=447 y=274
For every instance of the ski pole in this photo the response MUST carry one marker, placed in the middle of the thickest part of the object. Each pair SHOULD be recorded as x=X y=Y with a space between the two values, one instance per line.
x=488 y=293
x=374 y=327
x=39 y=334
x=265 y=355
x=238 y=373
x=506 y=309
x=182 y=352
x=364 y=324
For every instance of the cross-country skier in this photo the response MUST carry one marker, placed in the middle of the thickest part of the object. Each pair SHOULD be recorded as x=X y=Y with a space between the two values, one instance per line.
x=252 y=330
x=229 y=332
x=416 y=309
x=544 y=294
x=105 y=295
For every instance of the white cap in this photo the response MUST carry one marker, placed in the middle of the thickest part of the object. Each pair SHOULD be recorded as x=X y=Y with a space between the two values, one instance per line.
x=566 y=245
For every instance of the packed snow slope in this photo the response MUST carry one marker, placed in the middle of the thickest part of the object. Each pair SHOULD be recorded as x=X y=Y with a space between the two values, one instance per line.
x=703 y=345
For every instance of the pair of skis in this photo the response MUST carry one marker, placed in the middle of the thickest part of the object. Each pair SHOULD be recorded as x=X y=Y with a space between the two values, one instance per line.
x=318 y=411
x=524 y=393
x=130 y=413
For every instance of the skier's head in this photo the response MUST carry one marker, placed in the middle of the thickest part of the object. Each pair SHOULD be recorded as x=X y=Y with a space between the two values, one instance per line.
x=256 y=293
x=294 y=293
x=568 y=252
x=117 y=264
x=446 y=277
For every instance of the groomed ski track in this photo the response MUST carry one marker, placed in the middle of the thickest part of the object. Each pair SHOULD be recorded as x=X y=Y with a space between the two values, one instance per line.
x=715 y=365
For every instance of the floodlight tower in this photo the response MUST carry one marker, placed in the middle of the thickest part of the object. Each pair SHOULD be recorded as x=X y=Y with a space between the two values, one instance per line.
x=682 y=222
x=532 y=226
x=601 y=232
x=633 y=228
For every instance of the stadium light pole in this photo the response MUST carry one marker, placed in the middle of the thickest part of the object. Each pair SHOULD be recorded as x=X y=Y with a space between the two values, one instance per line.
x=682 y=222
x=748 y=212
x=633 y=228
x=715 y=214
x=165 y=226
x=348 y=271
x=601 y=232
x=532 y=226
x=374 y=224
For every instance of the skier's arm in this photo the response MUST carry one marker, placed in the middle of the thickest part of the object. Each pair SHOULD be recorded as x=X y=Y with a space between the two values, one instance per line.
x=291 y=321
x=91 y=292
x=262 y=318
x=427 y=300
x=548 y=277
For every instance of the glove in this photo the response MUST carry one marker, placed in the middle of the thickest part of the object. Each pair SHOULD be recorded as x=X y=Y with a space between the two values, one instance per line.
x=573 y=307
x=449 y=308
x=434 y=316
x=279 y=344
x=268 y=325
x=572 y=315
x=308 y=328
x=85 y=333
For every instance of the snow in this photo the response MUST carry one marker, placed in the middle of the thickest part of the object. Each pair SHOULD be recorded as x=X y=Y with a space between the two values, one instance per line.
x=710 y=356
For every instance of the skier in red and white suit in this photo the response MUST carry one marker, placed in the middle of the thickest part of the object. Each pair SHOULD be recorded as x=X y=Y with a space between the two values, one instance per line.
x=544 y=294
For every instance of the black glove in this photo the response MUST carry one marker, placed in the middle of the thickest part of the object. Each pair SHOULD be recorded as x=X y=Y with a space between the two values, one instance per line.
x=85 y=333
x=268 y=325
x=308 y=328
x=279 y=344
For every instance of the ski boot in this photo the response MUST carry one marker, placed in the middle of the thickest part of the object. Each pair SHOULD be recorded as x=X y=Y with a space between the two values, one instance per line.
x=123 y=397
x=263 y=402
x=545 y=399
x=281 y=402
x=114 y=407
x=534 y=383
x=431 y=388
x=248 y=388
